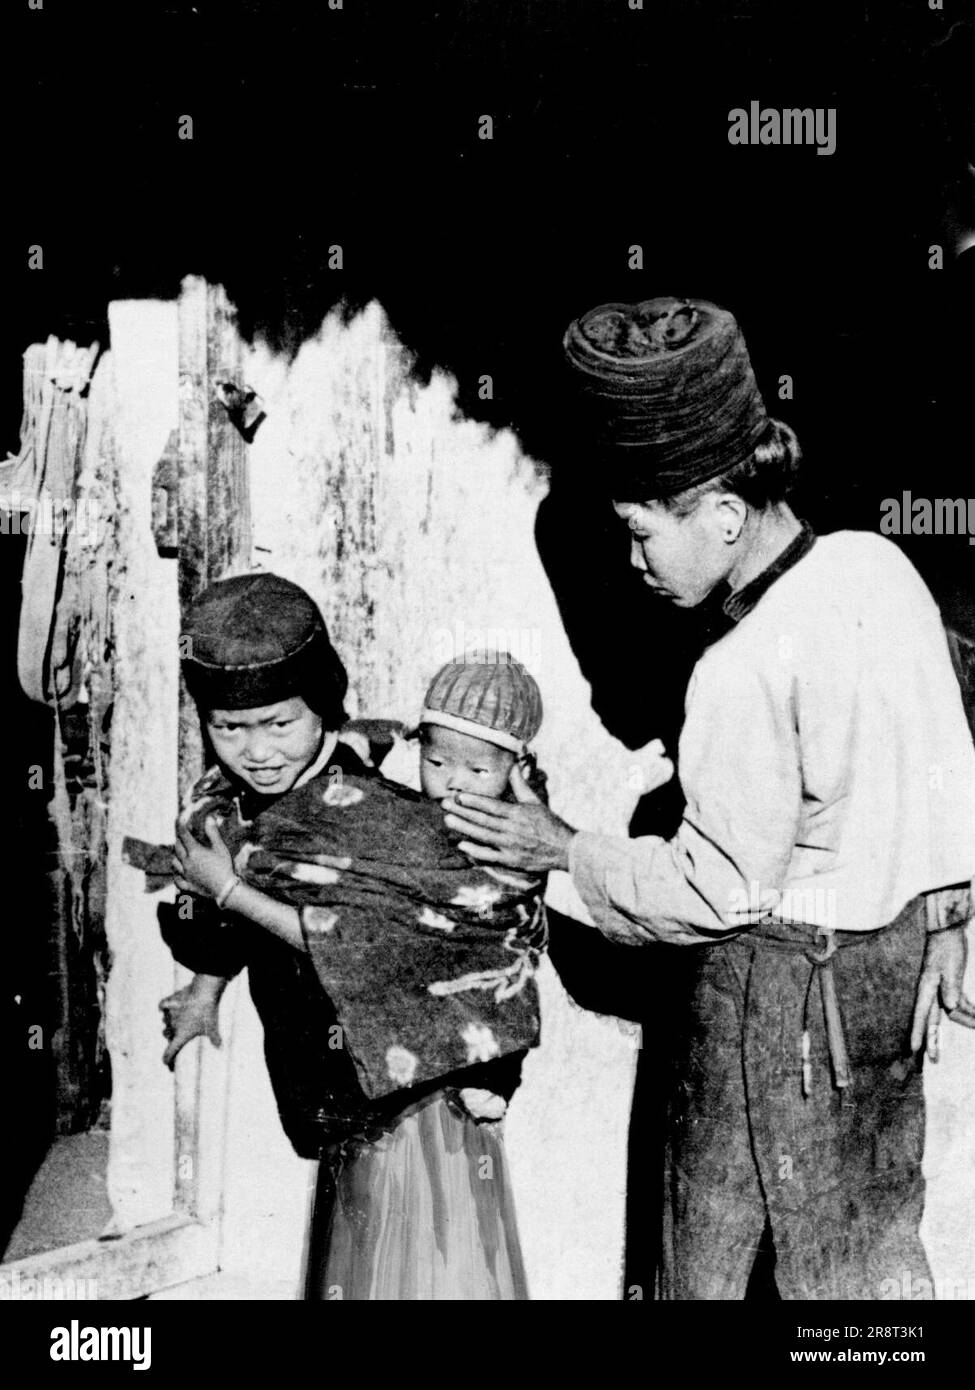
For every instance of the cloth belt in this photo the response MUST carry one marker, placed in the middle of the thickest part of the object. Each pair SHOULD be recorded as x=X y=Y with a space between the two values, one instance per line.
x=819 y=946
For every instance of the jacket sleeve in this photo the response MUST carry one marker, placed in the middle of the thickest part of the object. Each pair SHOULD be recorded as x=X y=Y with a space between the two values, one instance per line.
x=725 y=868
x=201 y=941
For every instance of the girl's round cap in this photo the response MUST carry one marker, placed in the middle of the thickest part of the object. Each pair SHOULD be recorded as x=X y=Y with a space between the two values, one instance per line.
x=492 y=697
x=256 y=639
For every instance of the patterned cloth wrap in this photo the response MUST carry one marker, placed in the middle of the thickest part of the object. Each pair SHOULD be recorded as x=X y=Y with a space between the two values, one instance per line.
x=427 y=958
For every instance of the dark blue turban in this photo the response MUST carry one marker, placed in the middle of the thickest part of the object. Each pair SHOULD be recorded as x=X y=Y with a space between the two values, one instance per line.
x=667 y=393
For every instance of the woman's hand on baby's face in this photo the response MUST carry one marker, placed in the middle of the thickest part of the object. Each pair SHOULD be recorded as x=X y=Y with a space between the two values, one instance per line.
x=526 y=835
x=202 y=869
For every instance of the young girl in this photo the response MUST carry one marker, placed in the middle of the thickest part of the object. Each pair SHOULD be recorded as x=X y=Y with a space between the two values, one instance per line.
x=413 y=1198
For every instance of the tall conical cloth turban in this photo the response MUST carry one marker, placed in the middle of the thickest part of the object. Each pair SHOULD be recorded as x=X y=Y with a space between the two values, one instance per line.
x=668 y=396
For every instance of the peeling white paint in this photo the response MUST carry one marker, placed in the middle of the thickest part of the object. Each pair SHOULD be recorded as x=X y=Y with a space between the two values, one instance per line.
x=404 y=521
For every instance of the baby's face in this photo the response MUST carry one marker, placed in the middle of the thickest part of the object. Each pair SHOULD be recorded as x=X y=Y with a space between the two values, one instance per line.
x=454 y=762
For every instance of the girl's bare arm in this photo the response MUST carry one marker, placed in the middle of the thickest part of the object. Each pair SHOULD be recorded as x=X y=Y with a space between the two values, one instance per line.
x=267 y=912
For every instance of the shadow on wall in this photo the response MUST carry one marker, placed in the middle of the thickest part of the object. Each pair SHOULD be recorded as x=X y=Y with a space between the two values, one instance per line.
x=637 y=654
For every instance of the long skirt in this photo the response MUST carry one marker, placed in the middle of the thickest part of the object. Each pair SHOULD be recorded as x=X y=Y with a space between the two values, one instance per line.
x=424 y=1212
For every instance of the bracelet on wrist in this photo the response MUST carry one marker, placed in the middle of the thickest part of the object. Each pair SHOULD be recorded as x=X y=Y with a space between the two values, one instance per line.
x=232 y=882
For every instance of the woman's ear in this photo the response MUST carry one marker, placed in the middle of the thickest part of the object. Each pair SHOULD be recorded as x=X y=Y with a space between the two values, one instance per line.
x=732 y=512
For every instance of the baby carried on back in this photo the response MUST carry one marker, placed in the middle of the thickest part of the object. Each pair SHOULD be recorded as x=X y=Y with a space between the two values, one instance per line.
x=427 y=957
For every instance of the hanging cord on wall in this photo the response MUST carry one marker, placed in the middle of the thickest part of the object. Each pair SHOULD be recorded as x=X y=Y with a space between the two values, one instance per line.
x=45 y=473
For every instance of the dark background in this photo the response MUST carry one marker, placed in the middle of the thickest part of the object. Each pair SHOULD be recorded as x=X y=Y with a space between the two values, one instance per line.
x=359 y=127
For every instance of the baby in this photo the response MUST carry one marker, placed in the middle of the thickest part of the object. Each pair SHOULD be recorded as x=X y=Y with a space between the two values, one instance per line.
x=478 y=719
x=416 y=992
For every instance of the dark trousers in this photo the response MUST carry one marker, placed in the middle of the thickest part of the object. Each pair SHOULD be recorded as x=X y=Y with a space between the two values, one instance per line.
x=837 y=1174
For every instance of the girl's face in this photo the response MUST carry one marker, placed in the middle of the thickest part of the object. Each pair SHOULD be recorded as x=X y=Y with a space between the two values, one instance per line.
x=453 y=762
x=268 y=748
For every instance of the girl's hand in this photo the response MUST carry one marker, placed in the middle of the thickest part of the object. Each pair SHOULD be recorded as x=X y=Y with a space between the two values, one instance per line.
x=192 y=1012
x=201 y=869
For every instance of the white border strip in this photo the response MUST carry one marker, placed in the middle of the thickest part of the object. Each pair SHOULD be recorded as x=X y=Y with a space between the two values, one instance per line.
x=468 y=726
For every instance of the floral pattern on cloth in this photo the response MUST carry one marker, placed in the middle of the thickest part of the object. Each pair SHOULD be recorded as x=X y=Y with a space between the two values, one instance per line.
x=427 y=957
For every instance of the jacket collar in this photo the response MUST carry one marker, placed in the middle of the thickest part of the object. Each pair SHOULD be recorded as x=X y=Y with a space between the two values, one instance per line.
x=737 y=604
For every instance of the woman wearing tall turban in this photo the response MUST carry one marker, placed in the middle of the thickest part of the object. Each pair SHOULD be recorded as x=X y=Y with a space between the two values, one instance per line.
x=822 y=869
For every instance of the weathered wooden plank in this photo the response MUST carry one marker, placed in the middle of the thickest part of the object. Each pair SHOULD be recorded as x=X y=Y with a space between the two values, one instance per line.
x=228 y=506
x=191 y=528
x=154 y=1256
x=165 y=484
x=213 y=499
x=139 y=411
x=214 y=540
x=193 y=418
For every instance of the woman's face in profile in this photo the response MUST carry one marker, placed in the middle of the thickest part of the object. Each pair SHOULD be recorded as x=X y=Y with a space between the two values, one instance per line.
x=268 y=748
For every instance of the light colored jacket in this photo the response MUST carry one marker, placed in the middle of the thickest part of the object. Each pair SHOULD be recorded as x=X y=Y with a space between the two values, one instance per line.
x=826 y=761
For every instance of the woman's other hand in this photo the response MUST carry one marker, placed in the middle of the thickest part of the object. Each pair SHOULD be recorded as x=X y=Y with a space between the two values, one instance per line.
x=941 y=988
x=481 y=1104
